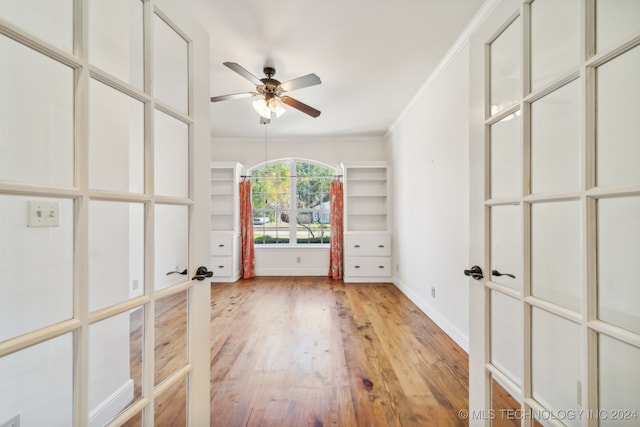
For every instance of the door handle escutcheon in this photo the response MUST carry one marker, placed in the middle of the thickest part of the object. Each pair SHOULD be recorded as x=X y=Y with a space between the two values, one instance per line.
x=475 y=272
x=202 y=273
x=497 y=273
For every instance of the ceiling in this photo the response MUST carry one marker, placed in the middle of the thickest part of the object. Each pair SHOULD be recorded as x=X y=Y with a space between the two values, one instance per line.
x=371 y=55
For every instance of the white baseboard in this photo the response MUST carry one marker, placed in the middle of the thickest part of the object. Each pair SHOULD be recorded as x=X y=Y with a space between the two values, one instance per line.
x=461 y=339
x=112 y=405
x=292 y=272
x=228 y=279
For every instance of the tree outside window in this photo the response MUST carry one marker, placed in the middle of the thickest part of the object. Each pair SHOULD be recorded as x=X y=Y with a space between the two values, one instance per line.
x=290 y=200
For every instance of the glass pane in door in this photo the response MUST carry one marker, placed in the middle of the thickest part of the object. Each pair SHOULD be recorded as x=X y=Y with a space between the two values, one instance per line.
x=171 y=156
x=51 y=21
x=36 y=384
x=116 y=252
x=170 y=66
x=506 y=68
x=506 y=246
x=616 y=20
x=618 y=382
x=618 y=254
x=555 y=253
x=556 y=141
x=171 y=335
x=506 y=157
x=36 y=117
x=555 y=363
x=555 y=40
x=36 y=263
x=617 y=124
x=506 y=409
x=171 y=406
x=171 y=245
x=115 y=39
x=116 y=140
x=115 y=377
x=506 y=336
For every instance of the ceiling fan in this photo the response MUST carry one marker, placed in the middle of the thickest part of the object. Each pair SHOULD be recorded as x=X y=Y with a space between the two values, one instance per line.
x=270 y=92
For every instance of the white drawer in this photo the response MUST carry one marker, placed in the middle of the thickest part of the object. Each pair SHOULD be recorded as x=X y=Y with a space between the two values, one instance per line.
x=368 y=245
x=368 y=266
x=221 y=244
x=221 y=266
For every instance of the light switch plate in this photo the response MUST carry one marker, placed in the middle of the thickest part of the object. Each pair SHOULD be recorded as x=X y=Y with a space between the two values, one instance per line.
x=43 y=214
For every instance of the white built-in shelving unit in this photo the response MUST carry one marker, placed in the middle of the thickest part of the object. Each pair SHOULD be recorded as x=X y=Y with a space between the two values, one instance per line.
x=366 y=222
x=225 y=214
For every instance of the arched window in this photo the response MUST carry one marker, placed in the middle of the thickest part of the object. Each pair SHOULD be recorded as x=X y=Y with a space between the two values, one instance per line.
x=290 y=200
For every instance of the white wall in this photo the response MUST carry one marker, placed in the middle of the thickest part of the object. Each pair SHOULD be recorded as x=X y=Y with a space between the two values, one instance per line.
x=429 y=154
x=331 y=151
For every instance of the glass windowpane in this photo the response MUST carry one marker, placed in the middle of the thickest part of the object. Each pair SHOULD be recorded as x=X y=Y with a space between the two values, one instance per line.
x=171 y=154
x=506 y=335
x=170 y=66
x=556 y=363
x=116 y=140
x=51 y=21
x=618 y=255
x=506 y=68
x=555 y=253
x=36 y=264
x=115 y=359
x=170 y=335
x=506 y=158
x=616 y=20
x=617 y=124
x=506 y=245
x=115 y=39
x=37 y=383
x=555 y=40
x=506 y=408
x=116 y=252
x=36 y=117
x=171 y=245
x=618 y=382
x=171 y=406
x=555 y=141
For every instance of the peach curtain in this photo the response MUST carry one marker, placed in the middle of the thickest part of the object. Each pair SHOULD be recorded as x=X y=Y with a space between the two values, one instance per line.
x=336 y=253
x=247 y=260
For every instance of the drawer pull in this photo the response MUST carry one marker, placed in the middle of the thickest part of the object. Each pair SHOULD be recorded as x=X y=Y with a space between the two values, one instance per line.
x=381 y=246
x=381 y=266
x=221 y=245
x=221 y=266
x=356 y=246
x=357 y=266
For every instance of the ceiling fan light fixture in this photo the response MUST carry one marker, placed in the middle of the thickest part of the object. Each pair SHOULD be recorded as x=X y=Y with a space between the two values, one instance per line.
x=275 y=105
x=260 y=105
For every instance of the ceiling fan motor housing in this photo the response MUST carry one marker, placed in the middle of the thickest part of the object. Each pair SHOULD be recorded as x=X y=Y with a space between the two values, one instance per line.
x=269 y=71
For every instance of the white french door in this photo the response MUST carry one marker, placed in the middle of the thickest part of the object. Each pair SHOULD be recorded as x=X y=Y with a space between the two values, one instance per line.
x=104 y=165
x=555 y=319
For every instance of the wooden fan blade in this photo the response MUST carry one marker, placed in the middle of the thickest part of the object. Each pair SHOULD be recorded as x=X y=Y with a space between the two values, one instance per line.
x=291 y=102
x=243 y=72
x=233 y=96
x=300 y=82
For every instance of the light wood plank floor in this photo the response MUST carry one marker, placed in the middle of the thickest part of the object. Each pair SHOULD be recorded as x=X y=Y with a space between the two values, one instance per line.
x=291 y=351
x=311 y=351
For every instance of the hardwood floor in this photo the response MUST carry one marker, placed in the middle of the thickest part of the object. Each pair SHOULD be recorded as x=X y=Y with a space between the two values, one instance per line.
x=311 y=351
x=317 y=352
